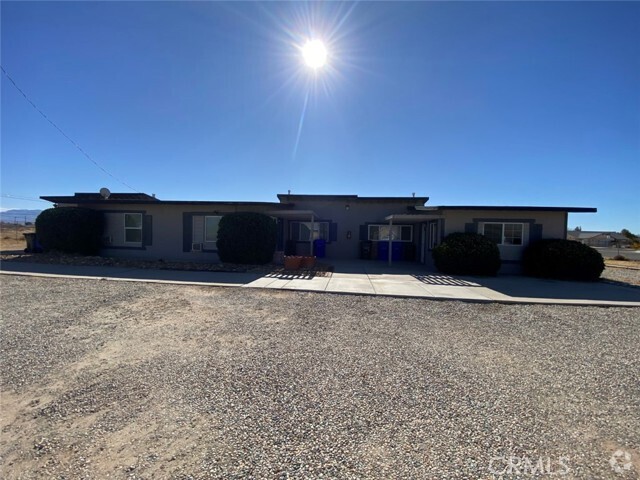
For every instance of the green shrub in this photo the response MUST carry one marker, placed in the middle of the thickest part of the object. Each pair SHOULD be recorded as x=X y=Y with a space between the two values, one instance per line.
x=467 y=254
x=70 y=230
x=246 y=238
x=562 y=259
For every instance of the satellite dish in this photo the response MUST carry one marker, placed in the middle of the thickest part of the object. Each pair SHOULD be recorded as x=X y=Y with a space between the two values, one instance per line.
x=105 y=193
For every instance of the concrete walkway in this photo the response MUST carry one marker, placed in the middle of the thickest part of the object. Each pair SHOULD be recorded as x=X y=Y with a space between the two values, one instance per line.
x=367 y=278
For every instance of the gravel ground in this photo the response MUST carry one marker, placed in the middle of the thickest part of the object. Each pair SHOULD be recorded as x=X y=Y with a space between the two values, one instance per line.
x=127 y=380
x=623 y=275
x=88 y=260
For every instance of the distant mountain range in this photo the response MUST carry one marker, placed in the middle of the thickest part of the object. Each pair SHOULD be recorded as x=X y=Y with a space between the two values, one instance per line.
x=19 y=216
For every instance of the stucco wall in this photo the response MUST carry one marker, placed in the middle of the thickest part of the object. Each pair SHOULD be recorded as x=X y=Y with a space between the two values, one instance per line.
x=167 y=239
x=350 y=220
x=553 y=225
x=167 y=230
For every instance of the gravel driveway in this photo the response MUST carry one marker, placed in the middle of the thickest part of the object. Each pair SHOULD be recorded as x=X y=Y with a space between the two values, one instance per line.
x=128 y=380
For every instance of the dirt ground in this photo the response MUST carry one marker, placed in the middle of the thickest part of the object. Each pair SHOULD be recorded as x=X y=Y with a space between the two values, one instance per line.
x=127 y=380
x=11 y=236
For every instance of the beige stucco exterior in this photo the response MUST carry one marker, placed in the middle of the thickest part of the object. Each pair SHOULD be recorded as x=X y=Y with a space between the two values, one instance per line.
x=172 y=230
x=551 y=225
x=350 y=216
x=167 y=238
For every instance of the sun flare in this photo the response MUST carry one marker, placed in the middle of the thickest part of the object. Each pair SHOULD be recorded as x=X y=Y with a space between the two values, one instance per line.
x=315 y=54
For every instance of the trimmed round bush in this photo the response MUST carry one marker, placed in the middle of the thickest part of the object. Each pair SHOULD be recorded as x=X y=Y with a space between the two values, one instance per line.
x=70 y=230
x=467 y=254
x=562 y=259
x=247 y=238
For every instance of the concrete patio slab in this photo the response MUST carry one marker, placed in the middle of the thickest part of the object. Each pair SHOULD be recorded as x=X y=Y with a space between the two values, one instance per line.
x=262 y=282
x=318 y=284
x=353 y=278
x=463 y=293
x=350 y=283
x=402 y=285
x=491 y=294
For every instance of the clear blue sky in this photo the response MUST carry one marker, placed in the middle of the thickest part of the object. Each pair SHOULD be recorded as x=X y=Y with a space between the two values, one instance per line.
x=500 y=103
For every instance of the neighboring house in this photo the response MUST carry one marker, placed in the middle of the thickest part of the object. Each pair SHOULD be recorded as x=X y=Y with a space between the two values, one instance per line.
x=335 y=226
x=599 y=239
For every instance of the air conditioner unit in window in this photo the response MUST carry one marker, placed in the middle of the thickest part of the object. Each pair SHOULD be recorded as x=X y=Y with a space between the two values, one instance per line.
x=196 y=247
x=106 y=240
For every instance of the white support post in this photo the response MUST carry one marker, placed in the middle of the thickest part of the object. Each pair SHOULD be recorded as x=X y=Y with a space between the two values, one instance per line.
x=390 y=243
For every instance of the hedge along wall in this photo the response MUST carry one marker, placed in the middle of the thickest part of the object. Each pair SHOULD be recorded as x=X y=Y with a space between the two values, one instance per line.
x=70 y=230
x=467 y=254
x=562 y=259
x=247 y=238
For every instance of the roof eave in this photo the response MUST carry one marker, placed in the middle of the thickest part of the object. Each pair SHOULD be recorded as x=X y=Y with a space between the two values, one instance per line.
x=528 y=208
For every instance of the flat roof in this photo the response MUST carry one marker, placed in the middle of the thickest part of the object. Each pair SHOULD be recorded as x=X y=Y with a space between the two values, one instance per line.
x=96 y=197
x=527 y=208
x=350 y=198
x=116 y=200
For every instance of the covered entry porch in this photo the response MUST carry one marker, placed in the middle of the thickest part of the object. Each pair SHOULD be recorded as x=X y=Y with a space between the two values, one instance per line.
x=305 y=243
x=428 y=232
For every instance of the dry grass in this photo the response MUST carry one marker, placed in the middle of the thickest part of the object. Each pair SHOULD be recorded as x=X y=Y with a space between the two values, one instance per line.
x=609 y=262
x=11 y=236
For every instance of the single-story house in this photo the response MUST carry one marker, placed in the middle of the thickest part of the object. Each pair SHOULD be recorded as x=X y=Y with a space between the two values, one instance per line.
x=332 y=226
x=599 y=239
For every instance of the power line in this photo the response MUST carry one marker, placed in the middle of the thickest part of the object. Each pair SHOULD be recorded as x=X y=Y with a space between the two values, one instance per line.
x=64 y=134
x=18 y=197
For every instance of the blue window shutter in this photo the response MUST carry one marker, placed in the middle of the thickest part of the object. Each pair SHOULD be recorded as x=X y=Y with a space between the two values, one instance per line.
x=280 y=241
x=470 y=228
x=187 y=231
x=333 y=232
x=295 y=230
x=363 y=233
x=147 y=230
x=536 y=232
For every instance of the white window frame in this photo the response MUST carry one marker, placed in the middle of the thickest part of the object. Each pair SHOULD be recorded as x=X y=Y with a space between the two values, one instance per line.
x=503 y=238
x=204 y=233
x=138 y=242
x=316 y=232
x=398 y=237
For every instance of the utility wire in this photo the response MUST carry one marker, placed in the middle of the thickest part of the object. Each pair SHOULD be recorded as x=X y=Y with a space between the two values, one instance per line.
x=64 y=134
x=18 y=197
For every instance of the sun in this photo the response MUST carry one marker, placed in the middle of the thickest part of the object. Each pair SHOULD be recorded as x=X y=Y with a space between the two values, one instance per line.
x=315 y=54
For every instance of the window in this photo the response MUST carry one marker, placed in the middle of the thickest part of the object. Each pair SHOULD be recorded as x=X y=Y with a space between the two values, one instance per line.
x=305 y=234
x=133 y=228
x=504 y=233
x=512 y=234
x=401 y=233
x=211 y=229
x=493 y=231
